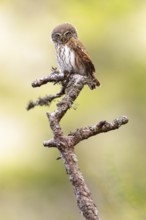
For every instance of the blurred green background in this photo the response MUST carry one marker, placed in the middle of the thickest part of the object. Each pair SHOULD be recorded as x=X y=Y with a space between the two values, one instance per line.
x=33 y=185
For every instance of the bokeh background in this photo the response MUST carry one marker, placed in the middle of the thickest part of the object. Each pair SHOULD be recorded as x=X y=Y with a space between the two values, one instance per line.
x=33 y=185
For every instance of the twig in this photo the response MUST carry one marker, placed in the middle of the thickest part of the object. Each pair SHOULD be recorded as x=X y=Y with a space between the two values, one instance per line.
x=53 y=77
x=84 y=133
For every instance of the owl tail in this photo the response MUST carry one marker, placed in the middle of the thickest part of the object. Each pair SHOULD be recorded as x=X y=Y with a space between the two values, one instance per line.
x=93 y=82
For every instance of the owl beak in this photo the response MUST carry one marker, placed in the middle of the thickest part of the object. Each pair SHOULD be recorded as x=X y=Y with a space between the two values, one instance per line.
x=63 y=39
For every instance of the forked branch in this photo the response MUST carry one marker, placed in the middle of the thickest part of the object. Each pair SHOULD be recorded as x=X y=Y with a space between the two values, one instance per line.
x=71 y=88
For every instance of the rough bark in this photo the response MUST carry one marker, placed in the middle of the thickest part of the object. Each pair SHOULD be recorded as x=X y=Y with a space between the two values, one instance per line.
x=71 y=87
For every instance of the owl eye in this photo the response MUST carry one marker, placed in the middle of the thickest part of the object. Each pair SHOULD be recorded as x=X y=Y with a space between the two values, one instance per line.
x=57 y=35
x=67 y=33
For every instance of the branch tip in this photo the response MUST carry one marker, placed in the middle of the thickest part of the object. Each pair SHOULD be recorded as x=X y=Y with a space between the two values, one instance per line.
x=123 y=119
x=50 y=143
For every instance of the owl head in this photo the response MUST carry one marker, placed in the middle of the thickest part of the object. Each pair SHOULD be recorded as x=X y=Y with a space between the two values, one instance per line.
x=62 y=33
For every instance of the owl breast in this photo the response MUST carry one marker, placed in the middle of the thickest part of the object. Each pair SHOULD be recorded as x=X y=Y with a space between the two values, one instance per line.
x=65 y=58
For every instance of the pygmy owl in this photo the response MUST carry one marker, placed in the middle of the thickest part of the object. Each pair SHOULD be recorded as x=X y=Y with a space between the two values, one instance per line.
x=71 y=54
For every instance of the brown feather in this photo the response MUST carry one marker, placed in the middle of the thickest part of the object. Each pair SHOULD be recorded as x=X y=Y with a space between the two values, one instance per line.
x=81 y=52
x=84 y=60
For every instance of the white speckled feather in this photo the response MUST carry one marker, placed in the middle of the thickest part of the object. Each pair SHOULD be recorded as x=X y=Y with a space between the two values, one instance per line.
x=70 y=58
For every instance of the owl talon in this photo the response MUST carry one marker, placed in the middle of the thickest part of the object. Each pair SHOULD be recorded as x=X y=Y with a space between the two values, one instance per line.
x=54 y=69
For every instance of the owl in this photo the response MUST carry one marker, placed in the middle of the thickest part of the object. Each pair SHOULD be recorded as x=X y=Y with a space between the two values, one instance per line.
x=72 y=57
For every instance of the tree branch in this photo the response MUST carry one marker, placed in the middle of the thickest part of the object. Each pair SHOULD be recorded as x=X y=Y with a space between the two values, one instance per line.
x=55 y=76
x=101 y=127
x=71 y=87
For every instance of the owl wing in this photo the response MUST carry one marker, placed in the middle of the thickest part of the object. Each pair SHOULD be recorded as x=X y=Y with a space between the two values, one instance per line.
x=83 y=56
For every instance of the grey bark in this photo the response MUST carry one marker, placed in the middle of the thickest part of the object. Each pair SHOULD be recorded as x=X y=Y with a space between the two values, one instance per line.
x=71 y=88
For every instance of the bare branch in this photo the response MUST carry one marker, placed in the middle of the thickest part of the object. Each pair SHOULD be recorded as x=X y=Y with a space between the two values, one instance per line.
x=72 y=84
x=83 y=195
x=53 y=77
x=101 y=127
x=45 y=101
